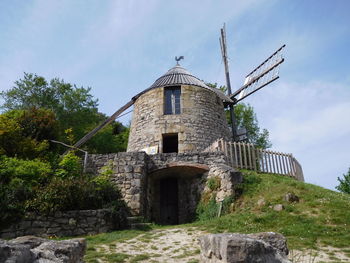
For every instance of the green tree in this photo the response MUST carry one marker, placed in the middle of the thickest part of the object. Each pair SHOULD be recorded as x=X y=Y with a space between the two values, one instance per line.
x=25 y=133
x=246 y=117
x=75 y=108
x=344 y=184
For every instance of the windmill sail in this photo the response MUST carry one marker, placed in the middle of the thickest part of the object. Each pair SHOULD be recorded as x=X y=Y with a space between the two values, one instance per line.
x=103 y=124
x=261 y=76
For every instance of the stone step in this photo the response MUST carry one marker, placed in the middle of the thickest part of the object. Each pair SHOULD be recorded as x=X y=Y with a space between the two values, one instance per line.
x=141 y=226
x=135 y=219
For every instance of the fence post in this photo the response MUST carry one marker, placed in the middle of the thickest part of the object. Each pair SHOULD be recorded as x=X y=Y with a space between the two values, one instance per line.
x=254 y=157
x=236 y=157
x=231 y=154
x=245 y=155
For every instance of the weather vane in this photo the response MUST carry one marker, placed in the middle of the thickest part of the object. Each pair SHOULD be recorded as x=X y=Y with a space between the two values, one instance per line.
x=178 y=59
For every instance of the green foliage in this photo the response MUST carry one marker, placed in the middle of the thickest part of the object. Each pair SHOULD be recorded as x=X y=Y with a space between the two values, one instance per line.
x=74 y=108
x=18 y=181
x=344 y=184
x=32 y=172
x=107 y=169
x=246 y=117
x=75 y=193
x=69 y=166
x=29 y=185
x=207 y=210
x=23 y=135
x=214 y=183
x=320 y=218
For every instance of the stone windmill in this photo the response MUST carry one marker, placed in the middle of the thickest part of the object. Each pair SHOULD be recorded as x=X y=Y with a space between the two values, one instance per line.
x=180 y=113
x=169 y=161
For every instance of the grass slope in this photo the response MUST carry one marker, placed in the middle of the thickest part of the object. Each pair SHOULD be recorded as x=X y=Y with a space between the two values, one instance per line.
x=321 y=218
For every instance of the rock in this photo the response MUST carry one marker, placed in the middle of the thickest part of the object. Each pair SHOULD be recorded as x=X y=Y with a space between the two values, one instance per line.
x=65 y=251
x=291 y=198
x=239 y=248
x=72 y=222
x=15 y=253
x=31 y=249
x=276 y=240
x=261 y=202
x=31 y=241
x=278 y=207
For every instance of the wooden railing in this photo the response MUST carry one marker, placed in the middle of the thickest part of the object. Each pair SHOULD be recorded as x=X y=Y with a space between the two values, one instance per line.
x=247 y=156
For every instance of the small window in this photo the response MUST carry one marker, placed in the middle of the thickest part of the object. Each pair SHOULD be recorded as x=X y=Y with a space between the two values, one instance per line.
x=170 y=143
x=172 y=103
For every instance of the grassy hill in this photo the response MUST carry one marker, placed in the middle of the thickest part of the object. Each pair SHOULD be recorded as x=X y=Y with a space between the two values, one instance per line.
x=320 y=221
x=320 y=218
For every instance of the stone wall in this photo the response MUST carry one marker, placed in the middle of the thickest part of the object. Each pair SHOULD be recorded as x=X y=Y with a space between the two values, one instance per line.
x=138 y=177
x=201 y=122
x=128 y=173
x=70 y=223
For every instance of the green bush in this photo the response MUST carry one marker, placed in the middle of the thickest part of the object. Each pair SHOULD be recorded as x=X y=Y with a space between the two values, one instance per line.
x=78 y=193
x=210 y=209
x=31 y=172
x=18 y=182
x=207 y=210
x=33 y=186
x=214 y=183
x=69 y=166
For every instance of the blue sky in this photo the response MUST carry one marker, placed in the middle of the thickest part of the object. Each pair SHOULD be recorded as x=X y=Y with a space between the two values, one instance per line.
x=118 y=48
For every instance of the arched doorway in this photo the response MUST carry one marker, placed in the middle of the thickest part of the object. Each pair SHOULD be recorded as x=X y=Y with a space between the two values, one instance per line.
x=174 y=192
x=169 y=201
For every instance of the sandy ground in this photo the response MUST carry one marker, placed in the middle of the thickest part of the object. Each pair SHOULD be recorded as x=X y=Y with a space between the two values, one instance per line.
x=168 y=245
x=181 y=245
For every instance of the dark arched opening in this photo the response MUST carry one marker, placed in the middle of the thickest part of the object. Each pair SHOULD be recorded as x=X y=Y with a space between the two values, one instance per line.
x=174 y=192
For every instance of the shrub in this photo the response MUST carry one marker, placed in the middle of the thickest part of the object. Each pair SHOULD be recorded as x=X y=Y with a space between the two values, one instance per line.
x=18 y=181
x=78 y=193
x=214 y=183
x=344 y=184
x=31 y=172
x=207 y=210
x=69 y=166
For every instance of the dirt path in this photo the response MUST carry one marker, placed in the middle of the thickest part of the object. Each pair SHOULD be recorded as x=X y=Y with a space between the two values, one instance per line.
x=165 y=245
x=181 y=245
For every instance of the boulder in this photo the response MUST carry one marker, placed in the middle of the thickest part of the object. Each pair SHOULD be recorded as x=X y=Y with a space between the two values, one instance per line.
x=278 y=207
x=291 y=198
x=31 y=249
x=266 y=247
x=65 y=251
x=15 y=253
x=261 y=202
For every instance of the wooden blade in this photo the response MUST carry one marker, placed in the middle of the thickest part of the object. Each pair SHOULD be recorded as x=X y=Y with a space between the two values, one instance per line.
x=103 y=124
x=261 y=76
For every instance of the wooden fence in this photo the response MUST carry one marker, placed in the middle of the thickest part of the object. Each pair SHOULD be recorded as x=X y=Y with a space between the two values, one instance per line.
x=246 y=156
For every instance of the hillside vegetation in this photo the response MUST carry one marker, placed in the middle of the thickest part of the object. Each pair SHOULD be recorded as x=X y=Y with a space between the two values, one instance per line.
x=319 y=223
x=321 y=217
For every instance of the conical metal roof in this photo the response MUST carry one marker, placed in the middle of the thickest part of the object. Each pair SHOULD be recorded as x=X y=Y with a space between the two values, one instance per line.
x=180 y=76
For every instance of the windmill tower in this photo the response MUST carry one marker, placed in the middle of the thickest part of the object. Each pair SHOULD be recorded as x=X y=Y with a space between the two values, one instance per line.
x=178 y=113
x=175 y=123
x=173 y=102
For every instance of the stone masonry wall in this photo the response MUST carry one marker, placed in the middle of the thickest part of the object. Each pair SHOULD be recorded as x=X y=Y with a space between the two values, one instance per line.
x=128 y=173
x=137 y=175
x=70 y=223
x=201 y=122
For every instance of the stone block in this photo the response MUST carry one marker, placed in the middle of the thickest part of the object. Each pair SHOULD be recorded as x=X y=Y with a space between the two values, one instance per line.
x=240 y=248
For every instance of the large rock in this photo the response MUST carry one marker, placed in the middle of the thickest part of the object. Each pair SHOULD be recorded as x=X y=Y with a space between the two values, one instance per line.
x=266 y=247
x=31 y=249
